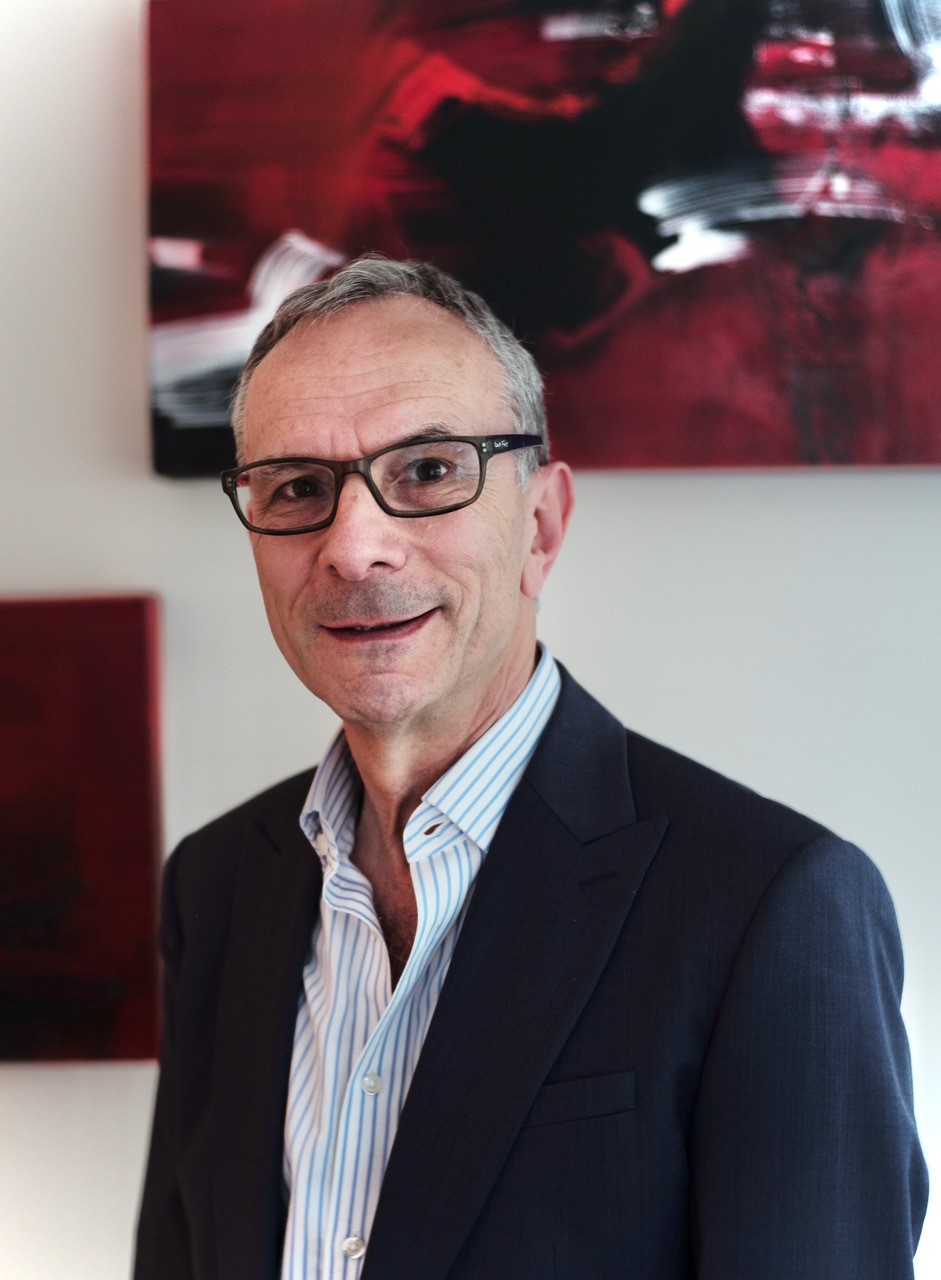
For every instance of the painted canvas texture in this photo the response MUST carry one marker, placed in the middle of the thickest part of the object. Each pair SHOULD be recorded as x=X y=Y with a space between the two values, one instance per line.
x=714 y=222
x=79 y=832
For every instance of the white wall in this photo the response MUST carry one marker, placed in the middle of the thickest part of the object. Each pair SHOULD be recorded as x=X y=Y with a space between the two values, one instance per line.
x=785 y=628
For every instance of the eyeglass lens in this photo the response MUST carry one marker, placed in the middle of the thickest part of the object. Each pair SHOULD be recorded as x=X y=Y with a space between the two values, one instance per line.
x=412 y=479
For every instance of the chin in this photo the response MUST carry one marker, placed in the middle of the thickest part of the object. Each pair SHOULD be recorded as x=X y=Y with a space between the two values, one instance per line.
x=375 y=701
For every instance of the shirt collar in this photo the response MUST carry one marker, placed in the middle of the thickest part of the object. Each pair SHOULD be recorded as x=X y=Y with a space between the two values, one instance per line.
x=469 y=799
x=328 y=817
x=475 y=791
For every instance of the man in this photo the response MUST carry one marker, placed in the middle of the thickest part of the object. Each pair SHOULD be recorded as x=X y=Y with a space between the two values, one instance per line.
x=503 y=990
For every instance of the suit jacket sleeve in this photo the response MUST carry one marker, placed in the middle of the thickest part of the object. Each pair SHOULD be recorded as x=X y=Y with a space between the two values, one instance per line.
x=163 y=1246
x=805 y=1164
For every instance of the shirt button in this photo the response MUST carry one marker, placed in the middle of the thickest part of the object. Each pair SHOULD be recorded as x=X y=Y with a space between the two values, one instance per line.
x=371 y=1082
x=353 y=1246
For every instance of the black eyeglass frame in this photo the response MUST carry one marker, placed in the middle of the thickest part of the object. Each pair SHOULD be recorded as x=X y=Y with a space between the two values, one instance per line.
x=487 y=447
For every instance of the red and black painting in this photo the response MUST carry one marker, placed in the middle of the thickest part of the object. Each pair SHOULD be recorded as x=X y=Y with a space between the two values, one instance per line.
x=716 y=223
x=78 y=829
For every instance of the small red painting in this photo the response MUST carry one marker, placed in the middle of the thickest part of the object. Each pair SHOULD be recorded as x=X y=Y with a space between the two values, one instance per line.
x=79 y=828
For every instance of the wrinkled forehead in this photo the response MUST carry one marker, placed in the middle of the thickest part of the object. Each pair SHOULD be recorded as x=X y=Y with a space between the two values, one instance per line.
x=376 y=372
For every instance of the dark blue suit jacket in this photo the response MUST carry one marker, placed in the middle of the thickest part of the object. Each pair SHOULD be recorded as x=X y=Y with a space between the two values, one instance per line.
x=668 y=1045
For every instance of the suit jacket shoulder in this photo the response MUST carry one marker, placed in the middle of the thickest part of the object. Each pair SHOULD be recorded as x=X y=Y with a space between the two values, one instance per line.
x=202 y=866
x=269 y=806
x=598 y=773
x=663 y=780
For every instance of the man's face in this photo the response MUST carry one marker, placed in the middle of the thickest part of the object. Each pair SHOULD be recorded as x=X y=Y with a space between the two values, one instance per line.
x=414 y=623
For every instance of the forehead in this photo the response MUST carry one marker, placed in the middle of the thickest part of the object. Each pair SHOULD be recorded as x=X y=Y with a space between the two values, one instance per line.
x=379 y=371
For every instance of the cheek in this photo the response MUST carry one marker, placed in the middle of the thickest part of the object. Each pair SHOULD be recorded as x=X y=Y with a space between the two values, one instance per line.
x=281 y=575
x=490 y=578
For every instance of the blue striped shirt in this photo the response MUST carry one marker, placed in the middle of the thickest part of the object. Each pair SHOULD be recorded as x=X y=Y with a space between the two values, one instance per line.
x=357 y=1041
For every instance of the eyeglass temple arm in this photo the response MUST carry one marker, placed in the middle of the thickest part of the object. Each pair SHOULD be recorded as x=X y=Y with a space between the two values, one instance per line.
x=504 y=444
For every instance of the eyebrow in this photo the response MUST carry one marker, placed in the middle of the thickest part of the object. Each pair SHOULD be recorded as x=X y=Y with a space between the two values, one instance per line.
x=432 y=431
x=289 y=463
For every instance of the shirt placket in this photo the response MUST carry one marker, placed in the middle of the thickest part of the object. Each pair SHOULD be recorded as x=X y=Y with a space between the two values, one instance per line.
x=343 y=1225
x=372 y=1102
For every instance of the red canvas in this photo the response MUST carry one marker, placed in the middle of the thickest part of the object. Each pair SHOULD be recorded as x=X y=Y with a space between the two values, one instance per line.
x=715 y=222
x=78 y=828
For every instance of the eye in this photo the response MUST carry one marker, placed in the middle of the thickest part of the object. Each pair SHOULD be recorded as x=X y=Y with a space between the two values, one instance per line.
x=427 y=476
x=277 y=490
x=427 y=470
x=302 y=488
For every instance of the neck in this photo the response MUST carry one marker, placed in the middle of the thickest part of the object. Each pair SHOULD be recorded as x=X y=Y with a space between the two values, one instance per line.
x=398 y=763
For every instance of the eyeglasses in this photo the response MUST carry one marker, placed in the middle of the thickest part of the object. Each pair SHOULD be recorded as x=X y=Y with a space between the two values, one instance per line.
x=428 y=476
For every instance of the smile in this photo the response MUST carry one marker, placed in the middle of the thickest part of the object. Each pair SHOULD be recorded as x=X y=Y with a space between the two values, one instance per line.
x=365 y=631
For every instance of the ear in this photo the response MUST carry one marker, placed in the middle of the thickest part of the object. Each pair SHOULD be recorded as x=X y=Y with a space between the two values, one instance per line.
x=549 y=499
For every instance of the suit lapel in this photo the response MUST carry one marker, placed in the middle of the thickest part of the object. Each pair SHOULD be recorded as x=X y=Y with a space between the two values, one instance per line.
x=549 y=904
x=275 y=905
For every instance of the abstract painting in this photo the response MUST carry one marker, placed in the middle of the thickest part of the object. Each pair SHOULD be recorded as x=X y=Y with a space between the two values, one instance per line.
x=79 y=829
x=716 y=223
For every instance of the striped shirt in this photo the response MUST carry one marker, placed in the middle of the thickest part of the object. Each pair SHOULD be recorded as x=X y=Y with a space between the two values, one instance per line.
x=357 y=1041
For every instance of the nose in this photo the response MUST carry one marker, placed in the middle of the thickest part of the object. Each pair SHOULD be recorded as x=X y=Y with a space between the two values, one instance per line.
x=362 y=540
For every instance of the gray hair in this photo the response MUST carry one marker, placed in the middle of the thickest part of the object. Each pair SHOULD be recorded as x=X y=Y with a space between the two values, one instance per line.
x=373 y=277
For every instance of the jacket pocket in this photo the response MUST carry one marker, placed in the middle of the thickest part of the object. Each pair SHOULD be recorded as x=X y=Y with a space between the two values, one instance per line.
x=581 y=1099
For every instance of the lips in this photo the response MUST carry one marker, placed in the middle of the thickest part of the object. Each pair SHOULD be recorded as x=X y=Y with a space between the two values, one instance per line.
x=364 y=629
x=379 y=626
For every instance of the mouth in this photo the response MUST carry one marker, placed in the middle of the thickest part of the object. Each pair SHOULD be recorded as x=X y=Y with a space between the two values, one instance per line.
x=380 y=630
